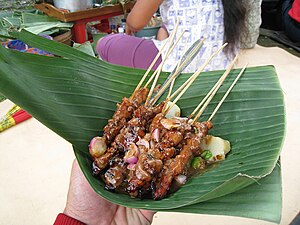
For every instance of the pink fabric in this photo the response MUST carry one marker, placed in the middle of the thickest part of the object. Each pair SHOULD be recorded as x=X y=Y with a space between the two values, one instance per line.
x=126 y=50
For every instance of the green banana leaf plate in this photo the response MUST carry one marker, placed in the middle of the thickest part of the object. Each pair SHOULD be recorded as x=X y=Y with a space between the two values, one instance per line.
x=75 y=94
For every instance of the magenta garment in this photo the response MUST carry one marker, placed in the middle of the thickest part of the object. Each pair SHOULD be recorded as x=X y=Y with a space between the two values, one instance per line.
x=127 y=50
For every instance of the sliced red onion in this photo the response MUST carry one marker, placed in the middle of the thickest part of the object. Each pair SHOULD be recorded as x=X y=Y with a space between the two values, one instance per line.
x=92 y=142
x=155 y=135
x=97 y=147
x=132 y=150
x=181 y=179
x=144 y=143
x=131 y=160
x=131 y=166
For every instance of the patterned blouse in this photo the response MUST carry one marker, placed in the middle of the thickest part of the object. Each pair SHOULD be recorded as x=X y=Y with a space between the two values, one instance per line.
x=200 y=19
x=204 y=18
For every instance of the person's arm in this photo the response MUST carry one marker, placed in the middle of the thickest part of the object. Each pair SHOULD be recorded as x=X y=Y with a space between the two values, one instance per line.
x=141 y=14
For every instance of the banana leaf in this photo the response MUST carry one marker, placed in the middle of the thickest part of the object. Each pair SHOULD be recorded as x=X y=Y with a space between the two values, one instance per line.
x=75 y=94
x=2 y=98
x=32 y=22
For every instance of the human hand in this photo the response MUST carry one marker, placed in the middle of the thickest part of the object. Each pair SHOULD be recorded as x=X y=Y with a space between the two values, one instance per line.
x=85 y=205
x=130 y=30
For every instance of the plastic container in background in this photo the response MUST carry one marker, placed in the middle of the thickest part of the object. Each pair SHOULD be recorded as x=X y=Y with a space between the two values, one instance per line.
x=73 y=5
x=148 y=32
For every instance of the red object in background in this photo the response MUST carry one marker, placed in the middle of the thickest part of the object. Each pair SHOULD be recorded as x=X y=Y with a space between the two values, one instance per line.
x=103 y=26
x=21 y=116
x=82 y=17
x=295 y=10
x=13 y=117
x=79 y=28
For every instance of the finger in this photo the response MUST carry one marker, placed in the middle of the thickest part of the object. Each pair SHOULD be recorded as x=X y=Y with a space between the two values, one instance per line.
x=148 y=215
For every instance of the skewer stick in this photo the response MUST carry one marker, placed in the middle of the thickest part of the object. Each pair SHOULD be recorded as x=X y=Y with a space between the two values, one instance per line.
x=154 y=60
x=185 y=61
x=164 y=60
x=183 y=88
x=197 y=73
x=149 y=68
x=191 y=54
x=213 y=93
x=216 y=86
x=227 y=93
x=172 y=78
x=160 y=69
x=177 y=69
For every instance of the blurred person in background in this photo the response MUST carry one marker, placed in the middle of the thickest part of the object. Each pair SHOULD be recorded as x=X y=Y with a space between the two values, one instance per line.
x=234 y=21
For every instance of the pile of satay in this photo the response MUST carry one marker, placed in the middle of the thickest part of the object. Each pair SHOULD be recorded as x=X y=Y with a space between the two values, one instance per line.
x=146 y=147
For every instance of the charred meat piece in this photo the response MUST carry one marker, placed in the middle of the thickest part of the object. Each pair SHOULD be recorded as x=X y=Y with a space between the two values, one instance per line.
x=145 y=170
x=123 y=114
x=179 y=164
x=130 y=133
x=115 y=175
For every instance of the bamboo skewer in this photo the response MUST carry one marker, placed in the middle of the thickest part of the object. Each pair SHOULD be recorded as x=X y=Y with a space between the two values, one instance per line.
x=149 y=69
x=160 y=68
x=183 y=88
x=177 y=69
x=213 y=93
x=170 y=41
x=197 y=73
x=190 y=55
x=155 y=60
x=216 y=86
x=172 y=78
x=227 y=93
x=164 y=60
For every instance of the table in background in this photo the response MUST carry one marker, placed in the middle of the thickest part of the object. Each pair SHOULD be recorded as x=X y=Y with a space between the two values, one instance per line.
x=81 y=18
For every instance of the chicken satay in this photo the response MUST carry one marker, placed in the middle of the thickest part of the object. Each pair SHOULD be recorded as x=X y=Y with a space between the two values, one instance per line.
x=150 y=162
x=179 y=164
x=131 y=133
x=138 y=175
x=115 y=175
x=136 y=127
x=123 y=113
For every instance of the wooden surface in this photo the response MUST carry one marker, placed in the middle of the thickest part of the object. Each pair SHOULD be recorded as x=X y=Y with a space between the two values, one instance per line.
x=52 y=11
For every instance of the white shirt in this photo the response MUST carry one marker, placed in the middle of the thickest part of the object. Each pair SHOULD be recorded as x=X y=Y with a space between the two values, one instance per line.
x=200 y=18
